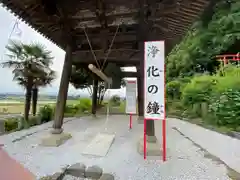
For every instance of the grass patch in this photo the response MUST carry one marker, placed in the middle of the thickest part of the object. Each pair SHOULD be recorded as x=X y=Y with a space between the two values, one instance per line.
x=18 y=106
x=113 y=109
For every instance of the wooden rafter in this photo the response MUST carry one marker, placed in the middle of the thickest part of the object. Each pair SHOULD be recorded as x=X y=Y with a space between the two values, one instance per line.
x=168 y=19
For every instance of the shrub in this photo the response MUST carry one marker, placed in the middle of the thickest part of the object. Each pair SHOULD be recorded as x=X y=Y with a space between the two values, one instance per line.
x=225 y=83
x=185 y=80
x=11 y=124
x=122 y=107
x=84 y=105
x=226 y=109
x=34 y=120
x=71 y=109
x=115 y=100
x=198 y=90
x=173 y=89
x=174 y=107
x=229 y=70
x=238 y=129
x=229 y=80
x=46 y=113
x=23 y=124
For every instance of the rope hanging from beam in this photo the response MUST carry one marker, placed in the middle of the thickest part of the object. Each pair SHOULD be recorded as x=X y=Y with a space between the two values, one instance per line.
x=109 y=49
x=90 y=45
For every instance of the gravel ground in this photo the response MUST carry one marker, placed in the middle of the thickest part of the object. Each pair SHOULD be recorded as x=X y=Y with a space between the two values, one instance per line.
x=224 y=147
x=185 y=160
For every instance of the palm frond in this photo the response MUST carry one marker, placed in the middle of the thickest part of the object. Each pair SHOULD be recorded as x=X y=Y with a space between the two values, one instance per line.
x=12 y=64
x=15 y=48
x=44 y=78
x=29 y=61
x=41 y=54
x=21 y=81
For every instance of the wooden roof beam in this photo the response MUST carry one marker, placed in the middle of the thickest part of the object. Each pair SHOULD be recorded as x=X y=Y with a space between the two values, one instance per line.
x=180 y=20
x=96 y=30
x=130 y=74
x=133 y=14
x=101 y=54
x=173 y=33
x=196 y=5
x=160 y=11
x=173 y=23
x=102 y=51
x=109 y=34
x=101 y=13
x=177 y=26
x=190 y=12
x=177 y=32
x=32 y=7
x=109 y=16
x=131 y=40
x=90 y=60
x=165 y=9
x=188 y=15
x=168 y=32
x=167 y=35
x=97 y=46
x=122 y=63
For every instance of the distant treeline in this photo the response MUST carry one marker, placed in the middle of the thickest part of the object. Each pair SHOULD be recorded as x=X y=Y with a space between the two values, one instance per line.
x=42 y=97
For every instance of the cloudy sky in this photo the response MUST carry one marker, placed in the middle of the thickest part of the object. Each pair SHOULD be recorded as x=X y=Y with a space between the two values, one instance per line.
x=28 y=35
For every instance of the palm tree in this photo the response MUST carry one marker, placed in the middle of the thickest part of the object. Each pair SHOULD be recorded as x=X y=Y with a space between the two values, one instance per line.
x=28 y=62
x=45 y=79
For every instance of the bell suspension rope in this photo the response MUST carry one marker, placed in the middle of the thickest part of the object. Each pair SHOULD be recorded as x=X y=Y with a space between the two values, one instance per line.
x=90 y=45
x=101 y=68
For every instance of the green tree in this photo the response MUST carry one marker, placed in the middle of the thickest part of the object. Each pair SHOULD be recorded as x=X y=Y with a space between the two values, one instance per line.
x=28 y=62
x=46 y=78
x=81 y=79
x=207 y=38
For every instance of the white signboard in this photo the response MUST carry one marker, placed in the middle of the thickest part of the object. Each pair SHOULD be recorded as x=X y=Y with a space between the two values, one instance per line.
x=131 y=97
x=154 y=80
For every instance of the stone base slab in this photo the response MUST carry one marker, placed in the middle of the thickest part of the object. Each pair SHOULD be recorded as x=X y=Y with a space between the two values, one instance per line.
x=100 y=145
x=56 y=140
x=152 y=148
x=151 y=139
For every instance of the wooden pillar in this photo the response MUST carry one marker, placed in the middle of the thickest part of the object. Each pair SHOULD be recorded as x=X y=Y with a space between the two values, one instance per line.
x=143 y=36
x=63 y=91
x=152 y=146
x=94 y=97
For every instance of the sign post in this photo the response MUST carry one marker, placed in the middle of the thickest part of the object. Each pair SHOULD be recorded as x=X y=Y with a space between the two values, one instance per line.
x=154 y=87
x=130 y=100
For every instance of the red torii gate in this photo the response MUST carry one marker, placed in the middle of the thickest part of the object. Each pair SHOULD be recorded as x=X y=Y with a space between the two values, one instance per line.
x=225 y=59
